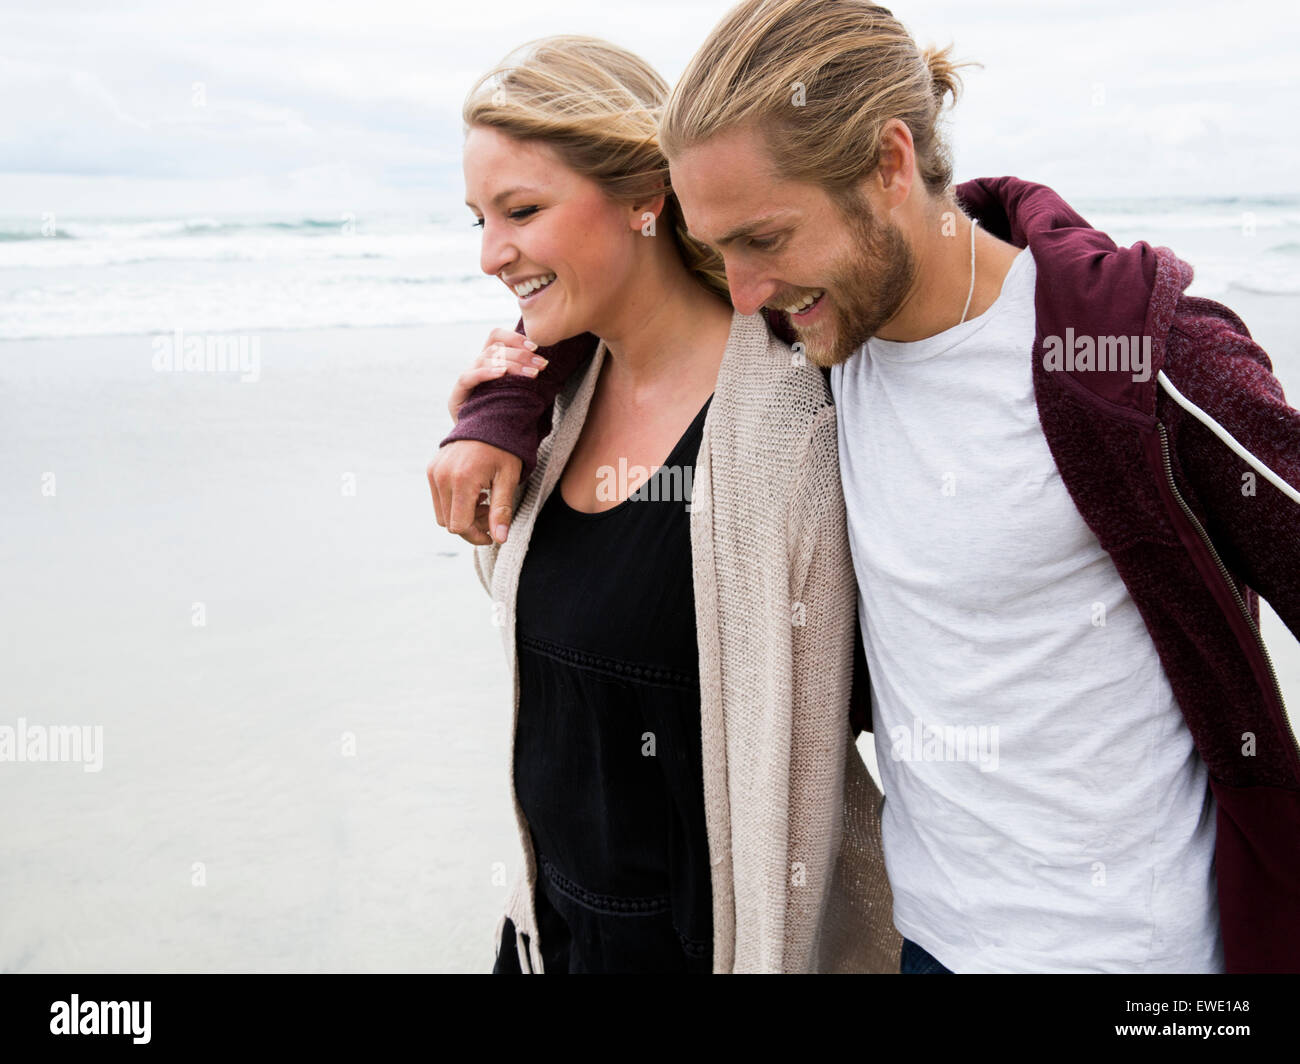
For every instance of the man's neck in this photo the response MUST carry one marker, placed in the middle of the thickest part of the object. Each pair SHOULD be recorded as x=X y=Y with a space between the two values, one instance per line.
x=943 y=280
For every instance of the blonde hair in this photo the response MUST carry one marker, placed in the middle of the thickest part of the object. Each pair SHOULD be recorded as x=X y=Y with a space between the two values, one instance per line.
x=597 y=106
x=819 y=79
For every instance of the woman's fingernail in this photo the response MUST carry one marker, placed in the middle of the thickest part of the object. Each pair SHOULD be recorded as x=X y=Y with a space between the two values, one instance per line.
x=500 y=531
x=529 y=371
x=530 y=345
x=540 y=362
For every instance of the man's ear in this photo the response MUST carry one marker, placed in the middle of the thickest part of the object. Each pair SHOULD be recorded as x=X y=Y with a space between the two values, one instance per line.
x=897 y=165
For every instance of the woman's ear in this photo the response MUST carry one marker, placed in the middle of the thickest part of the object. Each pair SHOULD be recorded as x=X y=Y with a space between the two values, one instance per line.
x=646 y=212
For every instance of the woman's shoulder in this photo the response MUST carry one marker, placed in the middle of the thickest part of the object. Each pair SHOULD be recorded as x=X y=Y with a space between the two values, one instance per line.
x=771 y=389
x=569 y=409
x=575 y=382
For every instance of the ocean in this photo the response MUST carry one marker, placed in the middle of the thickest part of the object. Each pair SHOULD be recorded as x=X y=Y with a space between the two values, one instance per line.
x=62 y=277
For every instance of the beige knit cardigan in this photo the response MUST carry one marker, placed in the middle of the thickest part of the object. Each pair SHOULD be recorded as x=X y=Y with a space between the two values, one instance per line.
x=792 y=814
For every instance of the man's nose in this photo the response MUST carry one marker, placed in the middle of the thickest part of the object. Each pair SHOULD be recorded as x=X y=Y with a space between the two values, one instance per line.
x=748 y=291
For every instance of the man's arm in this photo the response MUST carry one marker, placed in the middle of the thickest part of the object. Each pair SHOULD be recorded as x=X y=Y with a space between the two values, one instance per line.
x=493 y=447
x=514 y=412
x=1255 y=526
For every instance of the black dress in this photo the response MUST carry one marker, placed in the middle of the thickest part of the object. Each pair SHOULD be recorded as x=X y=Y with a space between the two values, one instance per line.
x=608 y=769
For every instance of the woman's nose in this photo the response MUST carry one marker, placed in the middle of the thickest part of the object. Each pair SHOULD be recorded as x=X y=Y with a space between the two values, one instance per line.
x=497 y=252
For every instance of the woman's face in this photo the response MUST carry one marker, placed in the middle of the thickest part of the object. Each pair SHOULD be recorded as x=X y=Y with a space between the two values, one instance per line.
x=542 y=222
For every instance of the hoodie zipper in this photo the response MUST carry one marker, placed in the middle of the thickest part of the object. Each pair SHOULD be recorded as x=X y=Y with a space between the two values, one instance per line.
x=1232 y=586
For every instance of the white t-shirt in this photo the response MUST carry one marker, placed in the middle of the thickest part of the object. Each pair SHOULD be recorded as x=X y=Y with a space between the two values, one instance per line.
x=1046 y=809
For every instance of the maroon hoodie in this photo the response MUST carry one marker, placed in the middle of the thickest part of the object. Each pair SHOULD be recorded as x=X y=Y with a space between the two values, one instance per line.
x=1193 y=531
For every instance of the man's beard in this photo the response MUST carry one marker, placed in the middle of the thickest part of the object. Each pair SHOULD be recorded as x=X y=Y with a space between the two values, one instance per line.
x=866 y=288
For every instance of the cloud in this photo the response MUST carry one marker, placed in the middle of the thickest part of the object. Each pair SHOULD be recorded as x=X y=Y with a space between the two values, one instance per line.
x=373 y=88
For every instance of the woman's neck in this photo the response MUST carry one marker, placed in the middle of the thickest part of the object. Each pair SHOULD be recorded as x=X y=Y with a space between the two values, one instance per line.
x=669 y=325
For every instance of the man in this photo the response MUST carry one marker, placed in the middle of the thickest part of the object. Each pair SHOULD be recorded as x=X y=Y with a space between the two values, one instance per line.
x=1065 y=480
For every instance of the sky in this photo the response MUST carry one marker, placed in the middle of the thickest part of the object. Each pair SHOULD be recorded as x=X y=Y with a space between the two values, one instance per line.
x=303 y=108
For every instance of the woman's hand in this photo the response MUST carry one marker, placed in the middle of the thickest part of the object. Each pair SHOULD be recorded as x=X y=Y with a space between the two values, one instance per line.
x=505 y=352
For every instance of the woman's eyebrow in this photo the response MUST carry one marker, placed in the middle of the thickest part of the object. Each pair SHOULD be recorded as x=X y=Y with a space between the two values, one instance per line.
x=505 y=193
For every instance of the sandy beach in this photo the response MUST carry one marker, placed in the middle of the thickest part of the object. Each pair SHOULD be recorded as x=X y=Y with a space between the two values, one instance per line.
x=327 y=615
x=314 y=778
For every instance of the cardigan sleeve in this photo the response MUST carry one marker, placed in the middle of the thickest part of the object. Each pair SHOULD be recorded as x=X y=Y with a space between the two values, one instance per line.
x=485 y=562
x=856 y=930
x=823 y=589
x=823 y=600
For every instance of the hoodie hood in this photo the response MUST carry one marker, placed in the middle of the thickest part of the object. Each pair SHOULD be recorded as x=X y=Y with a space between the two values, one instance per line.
x=1092 y=295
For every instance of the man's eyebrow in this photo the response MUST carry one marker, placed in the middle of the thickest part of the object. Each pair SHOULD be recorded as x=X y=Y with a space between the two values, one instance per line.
x=507 y=193
x=744 y=230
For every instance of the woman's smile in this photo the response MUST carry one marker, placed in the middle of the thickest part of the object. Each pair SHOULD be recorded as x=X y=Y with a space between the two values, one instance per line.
x=530 y=291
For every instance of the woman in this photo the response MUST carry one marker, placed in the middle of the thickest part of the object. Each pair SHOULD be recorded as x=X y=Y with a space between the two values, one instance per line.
x=676 y=594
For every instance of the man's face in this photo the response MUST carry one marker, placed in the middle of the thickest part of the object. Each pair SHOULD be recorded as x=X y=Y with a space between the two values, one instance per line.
x=795 y=242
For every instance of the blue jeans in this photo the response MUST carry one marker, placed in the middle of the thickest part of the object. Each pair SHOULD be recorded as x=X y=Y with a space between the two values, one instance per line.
x=917 y=961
